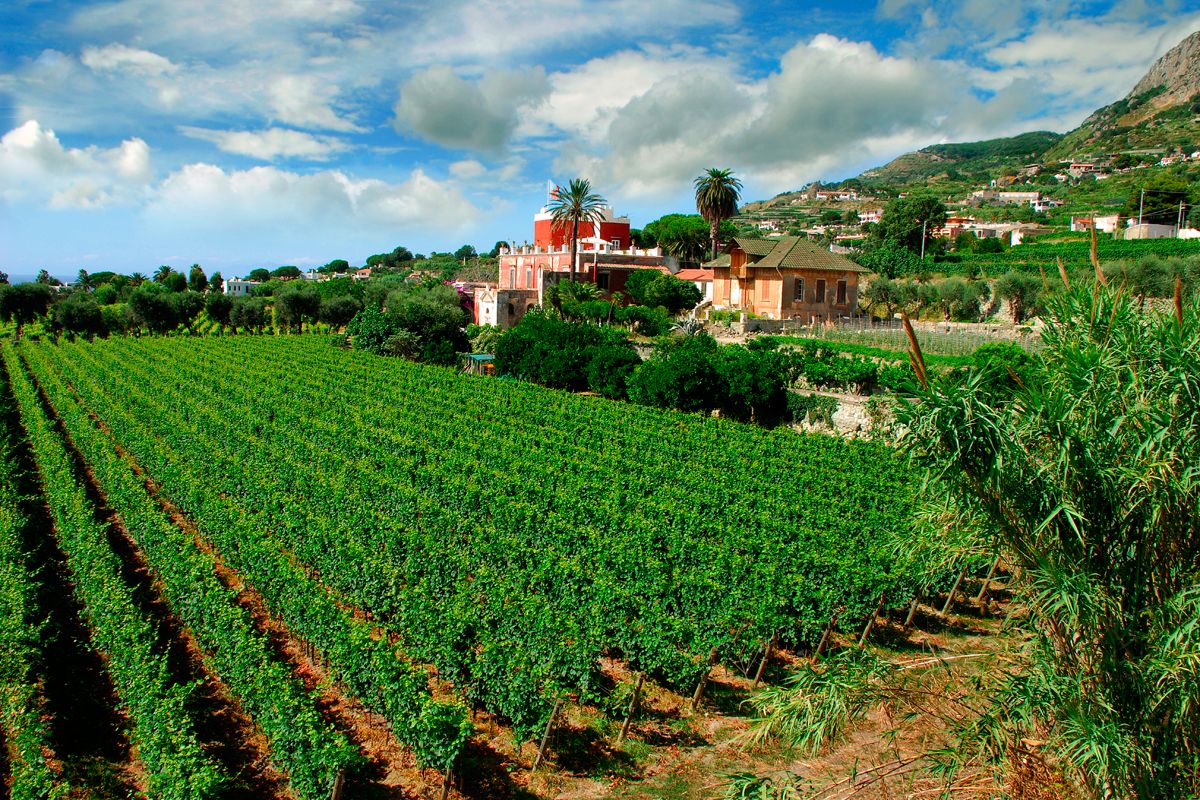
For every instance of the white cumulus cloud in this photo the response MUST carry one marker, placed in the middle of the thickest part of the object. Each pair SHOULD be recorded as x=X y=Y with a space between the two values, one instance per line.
x=35 y=166
x=206 y=197
x=271 y=144
x=116 y=57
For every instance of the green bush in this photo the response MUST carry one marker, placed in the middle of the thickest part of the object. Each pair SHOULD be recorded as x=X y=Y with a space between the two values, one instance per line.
x=609 y=371
x=554 y=353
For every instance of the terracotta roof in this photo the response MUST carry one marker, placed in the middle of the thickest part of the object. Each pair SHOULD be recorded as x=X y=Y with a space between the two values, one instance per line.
x=694 y=275
x=794 y=252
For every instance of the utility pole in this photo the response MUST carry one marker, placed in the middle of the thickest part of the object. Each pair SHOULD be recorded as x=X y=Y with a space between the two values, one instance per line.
x=1141 y=206
x=924 y=222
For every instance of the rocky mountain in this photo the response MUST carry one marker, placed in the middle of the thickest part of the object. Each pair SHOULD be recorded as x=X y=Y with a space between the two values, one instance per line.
x=1178 y=72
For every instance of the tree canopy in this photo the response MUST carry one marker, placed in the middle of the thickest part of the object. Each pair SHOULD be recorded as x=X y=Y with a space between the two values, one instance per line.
x=904 y=218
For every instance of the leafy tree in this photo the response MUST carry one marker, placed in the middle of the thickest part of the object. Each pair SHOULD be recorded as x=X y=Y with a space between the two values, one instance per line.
x=46 y=279
x=717 y=195
x=260 y=274
x=640 y=239
x=176 y=282
x=889 y=258
x=685 y=236
x=1086 y=483
x=1022 y=293
x=393 y=260
x=3 y=278
x=671 y=293
x=681 y=375
x=882 y=291
x=434 y=316
x=295 y=306
x=79 y=314
x=555 y=353
x=753 y=383
x=23 y=303
x=287 y=272
x=248 y=313
x=575 y=205
x=197 y=280
x=643 y=319
x=464 y=252
x=83 y=280
x=338 y=265
x=187 y=305
x=338 y=311
x=496 y=248
x=107 y=294
x=961 y=299
x=905 y=218
x=370 y=330
x=637 y=281
x=151 y=305
x=216 y=283
x=218 y=306
x=609 y=371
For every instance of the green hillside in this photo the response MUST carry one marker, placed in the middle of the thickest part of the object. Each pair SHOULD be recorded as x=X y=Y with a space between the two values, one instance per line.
x=963 y=161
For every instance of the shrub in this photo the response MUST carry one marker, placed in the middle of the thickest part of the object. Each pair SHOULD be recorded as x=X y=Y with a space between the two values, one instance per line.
x=681 y=375
x=554 y=353
x=609 y=371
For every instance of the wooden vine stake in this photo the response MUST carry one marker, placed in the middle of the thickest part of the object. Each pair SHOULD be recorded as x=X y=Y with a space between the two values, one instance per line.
x=950 y=597
x=912 y=611
x=762 y=665
x=339 y=785
x=871 y=622
x=446 y=784
x=983 y=589
x=825 y=636
x=633 y=706
x=699 y=693
x=537 y=762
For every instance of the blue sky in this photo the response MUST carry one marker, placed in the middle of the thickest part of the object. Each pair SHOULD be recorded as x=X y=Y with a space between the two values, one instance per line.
x=240 y=134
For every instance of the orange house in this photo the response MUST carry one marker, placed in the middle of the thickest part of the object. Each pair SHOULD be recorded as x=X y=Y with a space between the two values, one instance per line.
x=786 y=278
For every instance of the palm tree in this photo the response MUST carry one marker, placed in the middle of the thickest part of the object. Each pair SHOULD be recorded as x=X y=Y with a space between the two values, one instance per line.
x=717 y=195
x=573 y=205
x=162 y=273
x=137 y=279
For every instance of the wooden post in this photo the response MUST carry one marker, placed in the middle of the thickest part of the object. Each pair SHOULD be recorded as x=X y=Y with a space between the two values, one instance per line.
x=912 y=611
x=950 y=597
x=633 y=706
x=983 y=589
x=446 y=784
x=537 y=762
x=825 y=636
x=762 y=665
x=871 y=622
x=699 y=693
x=339 y=783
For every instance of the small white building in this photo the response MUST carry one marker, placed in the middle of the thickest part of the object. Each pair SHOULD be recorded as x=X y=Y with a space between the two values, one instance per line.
x=1149 y=230
x=238 y=287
